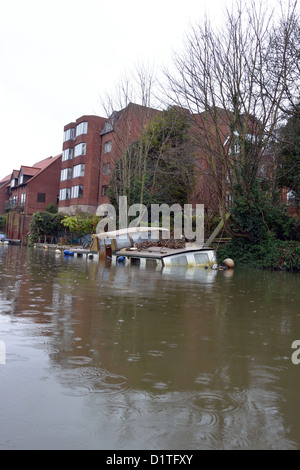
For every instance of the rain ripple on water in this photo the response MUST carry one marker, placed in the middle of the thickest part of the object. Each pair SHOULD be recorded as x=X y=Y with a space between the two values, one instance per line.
x=83 y=379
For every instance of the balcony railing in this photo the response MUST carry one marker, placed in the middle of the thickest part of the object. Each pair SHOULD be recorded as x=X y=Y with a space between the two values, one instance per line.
x=14 y=205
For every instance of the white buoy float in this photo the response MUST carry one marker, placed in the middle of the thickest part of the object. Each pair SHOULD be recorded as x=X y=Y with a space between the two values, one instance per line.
x=229 y=263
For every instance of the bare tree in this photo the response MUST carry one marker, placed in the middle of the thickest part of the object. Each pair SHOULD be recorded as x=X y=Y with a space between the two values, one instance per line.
x=129 y=110
x=226 y=78
x=286 y=40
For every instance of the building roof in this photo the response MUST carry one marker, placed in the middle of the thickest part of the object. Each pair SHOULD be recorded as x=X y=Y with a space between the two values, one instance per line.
x=43 y=164
x=46 y=162
x=29 y=170
x=32 y=171
x=5 y=180
x=15 y=174
x=115 y=117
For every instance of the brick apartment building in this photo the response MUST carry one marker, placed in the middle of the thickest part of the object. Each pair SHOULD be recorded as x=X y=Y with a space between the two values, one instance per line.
x=120 y=131
x=91 y=146
x=77 y=180
x=3 y=192
x=215 y=142
x=28 y=190
x=79 y=175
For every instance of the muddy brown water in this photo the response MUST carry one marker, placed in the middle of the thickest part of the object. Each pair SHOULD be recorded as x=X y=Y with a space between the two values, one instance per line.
x=94 y=356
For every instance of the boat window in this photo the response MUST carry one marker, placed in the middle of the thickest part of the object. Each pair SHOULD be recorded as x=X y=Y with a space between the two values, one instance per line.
x=179 y=261
x=201 y=258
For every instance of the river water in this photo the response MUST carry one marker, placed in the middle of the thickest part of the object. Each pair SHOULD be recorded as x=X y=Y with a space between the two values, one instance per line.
x=94 y=356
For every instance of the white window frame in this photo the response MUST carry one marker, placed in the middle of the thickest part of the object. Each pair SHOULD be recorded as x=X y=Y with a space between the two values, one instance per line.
x=67 y=154
x=64 y=194
x=78 y=170
x=69 y=134
x=108 y=127
x=107 y=146
x=75 y=192
x=80 y=149
x=66 y=174
x=81 y=128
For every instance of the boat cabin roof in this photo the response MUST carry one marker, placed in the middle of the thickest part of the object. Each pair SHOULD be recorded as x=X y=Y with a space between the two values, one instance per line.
x=161 y=252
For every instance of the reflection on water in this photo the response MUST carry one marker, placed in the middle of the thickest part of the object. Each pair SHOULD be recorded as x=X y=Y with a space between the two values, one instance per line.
x=123 y=357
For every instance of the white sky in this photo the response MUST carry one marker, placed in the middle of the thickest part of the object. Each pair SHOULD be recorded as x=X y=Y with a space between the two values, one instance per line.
x=58 y=57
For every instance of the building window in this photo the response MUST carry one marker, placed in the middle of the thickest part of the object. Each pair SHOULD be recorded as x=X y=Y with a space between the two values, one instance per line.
x=107 y=147
x=64 y=194
x=23 y=199
x=21 y=178
x=12 y=183
x=14 y=201
x=291 y=199
x=104 y=190
x=78 y=170
x=67 y=154
x=66 y=174
x=81 y=128
x=236 y=149
x=108 y=127
x=77 y=191
x=80 y=149
x=69 y=134
x=41 y=197
x=106 y=169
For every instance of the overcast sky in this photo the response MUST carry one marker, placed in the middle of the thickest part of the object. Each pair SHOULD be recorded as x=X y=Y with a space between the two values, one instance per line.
x=58 y=57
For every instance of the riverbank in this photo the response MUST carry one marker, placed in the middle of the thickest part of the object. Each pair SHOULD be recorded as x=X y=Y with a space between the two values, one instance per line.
x=68 y=250
x=271 y=254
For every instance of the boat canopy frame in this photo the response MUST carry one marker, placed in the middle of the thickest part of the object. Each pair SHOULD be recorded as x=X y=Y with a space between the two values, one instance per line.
x=131 y=230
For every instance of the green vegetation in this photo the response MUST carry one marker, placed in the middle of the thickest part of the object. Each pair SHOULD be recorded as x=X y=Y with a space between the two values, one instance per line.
x=288 y=171
x=159 y=167
x=80 y=224
x=52 y=208
x=271 y=237
x=44 y=226
x=264 y=234
x=270 y=253
x=2 y=223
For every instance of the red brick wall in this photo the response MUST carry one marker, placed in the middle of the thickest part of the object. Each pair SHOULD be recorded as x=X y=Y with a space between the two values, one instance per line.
x=17 y=226
x=209 y=146
x=3 y=198
x=127 y=130
x=91 y=161
x=46 y=182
